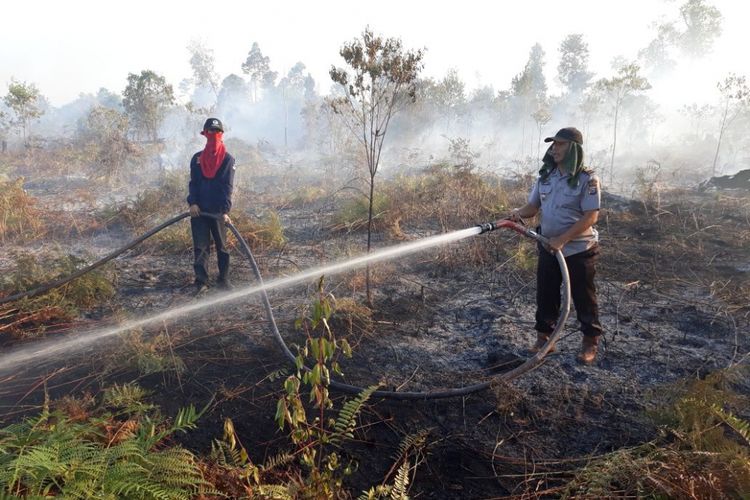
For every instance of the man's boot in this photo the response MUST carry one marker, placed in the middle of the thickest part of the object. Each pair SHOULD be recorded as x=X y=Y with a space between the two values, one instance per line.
x=588 y=350
x=541 y=339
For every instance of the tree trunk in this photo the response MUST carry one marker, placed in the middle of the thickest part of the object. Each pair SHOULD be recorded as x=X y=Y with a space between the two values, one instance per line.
x=721 y=134
x=614 y=145
x=369 y=239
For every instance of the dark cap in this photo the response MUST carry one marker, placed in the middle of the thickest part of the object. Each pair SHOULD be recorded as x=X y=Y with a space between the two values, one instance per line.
x=570 y=134
x=213 y=124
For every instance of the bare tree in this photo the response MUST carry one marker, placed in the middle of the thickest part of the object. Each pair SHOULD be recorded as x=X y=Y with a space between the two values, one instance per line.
x=381 y=78
x=736 y=98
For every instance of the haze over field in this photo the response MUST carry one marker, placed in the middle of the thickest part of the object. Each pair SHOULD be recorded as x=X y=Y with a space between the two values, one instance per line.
x=493 y=75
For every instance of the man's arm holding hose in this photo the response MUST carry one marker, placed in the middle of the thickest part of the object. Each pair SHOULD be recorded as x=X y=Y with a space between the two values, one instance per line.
x=582 y=225
x=525 y=212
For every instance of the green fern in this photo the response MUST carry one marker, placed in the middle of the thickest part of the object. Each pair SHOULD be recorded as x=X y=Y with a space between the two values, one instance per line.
x=52 y=455
x=277 y=461
x=128 y=397
x=275 y=492
x=347 y=419
x=376 y=492
x=411 y=444
x=738 y=425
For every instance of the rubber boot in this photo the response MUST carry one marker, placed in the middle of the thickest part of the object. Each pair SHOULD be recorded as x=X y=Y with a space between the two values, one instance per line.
x=589 y=346
x=541 y=339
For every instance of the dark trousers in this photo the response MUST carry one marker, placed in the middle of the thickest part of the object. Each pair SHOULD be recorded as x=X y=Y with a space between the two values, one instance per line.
x=204 y=228
x=582 y=270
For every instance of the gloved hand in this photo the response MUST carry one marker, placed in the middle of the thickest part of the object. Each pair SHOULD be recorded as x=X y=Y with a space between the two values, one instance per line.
x=227 y=220
x=195 y=210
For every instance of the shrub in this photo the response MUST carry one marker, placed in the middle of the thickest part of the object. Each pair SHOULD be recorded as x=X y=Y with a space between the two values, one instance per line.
x=265 y=233
x=19 y=217
x=150 y=206
x=704 y=451
x=61 y=304
x=352 y=216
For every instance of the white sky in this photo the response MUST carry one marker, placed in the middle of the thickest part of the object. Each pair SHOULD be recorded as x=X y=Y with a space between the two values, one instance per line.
x=77 y=46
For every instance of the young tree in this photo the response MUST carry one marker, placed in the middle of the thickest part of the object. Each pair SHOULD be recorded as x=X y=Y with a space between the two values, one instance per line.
x=530 y=87
x=234 y=97
x=657 y=55
x=146 y=100
x=382 y=78
x=105 y=132
x=258 y=67
x=736 y=98
x=293 y=88
x=203 y=62
x=24 y=100
x=573 y=69
x=541 y=117
x=625 y=83
x=4 y=126
x=697 y=115
x=702 y=27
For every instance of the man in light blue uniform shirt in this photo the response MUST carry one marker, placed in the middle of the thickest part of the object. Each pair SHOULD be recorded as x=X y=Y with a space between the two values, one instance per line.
x=569 y=198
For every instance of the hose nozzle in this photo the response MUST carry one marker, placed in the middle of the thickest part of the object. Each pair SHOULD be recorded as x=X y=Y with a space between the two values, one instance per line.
x=486 y=227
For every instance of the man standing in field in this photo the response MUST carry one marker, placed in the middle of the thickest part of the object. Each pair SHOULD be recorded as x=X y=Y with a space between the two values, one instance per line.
x=210 y=192
x=569 y=198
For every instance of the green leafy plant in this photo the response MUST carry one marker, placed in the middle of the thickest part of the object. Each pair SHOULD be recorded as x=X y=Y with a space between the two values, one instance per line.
x=317 y=437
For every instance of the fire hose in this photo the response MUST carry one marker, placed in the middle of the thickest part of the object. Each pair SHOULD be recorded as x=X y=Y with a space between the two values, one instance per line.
x=512 y=374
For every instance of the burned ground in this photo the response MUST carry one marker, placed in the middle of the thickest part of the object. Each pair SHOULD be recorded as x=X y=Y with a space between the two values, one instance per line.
x=673 y=286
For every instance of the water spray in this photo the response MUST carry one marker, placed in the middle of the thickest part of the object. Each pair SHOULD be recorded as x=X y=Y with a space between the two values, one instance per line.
x=27 y=353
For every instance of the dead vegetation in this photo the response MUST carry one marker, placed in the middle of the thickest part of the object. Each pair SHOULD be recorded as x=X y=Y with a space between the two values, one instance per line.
x=59 y=307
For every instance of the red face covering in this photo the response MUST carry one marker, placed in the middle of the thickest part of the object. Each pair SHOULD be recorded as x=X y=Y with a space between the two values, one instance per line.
x=213 y=154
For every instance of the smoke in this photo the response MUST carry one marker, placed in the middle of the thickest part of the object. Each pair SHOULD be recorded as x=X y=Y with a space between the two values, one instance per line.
x=674 y=123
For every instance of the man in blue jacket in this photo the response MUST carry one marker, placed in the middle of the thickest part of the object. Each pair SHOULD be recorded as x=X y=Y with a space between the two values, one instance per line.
x=210 y=191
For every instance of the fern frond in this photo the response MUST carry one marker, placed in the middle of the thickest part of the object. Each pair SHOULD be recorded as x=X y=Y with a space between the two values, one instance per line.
x=274 y=491
x=277 y=461
x=347 y=419
x=740 y=426
x=376 y=492
x=410 y=444
x=401 y=482
x=127 y=397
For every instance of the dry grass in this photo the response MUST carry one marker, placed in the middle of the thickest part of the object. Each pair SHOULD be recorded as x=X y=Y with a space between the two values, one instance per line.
x=20 y=219
x=58 y=307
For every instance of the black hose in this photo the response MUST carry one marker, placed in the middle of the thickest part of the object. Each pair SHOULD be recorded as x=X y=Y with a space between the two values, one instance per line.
x=528 y=365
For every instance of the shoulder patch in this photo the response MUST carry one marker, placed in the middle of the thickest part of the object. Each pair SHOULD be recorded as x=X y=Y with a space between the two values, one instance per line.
x=593 y=186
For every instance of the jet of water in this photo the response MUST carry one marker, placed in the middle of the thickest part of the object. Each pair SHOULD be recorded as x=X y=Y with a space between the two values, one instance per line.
x=47 y=348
